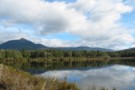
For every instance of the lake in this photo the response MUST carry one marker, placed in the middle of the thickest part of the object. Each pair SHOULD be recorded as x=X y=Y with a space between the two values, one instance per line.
x=111 y=75
x=120 y=77
x=88 y=75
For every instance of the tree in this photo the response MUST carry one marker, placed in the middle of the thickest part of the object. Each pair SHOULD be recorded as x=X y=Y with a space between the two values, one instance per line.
x=2 y=54
x=13 y=54
x=25 y=53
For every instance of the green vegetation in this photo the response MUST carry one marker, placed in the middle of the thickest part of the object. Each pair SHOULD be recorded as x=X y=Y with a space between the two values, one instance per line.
x=50 y=54
x=12 y=79
x=34 y=54
x=58 y=59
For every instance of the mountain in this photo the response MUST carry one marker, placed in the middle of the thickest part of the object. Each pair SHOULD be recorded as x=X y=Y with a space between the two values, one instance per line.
x=21 y=44
x=82 y=48
x=130 y=49
x=26 y=44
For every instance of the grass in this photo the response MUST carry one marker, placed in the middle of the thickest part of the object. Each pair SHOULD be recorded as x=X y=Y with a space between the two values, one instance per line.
x=12 y=79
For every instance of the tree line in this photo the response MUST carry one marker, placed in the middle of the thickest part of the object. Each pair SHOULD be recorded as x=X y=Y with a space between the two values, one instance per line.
x=62 y=54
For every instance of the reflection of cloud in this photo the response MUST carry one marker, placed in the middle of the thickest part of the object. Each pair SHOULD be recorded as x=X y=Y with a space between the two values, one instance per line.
x=121 y=77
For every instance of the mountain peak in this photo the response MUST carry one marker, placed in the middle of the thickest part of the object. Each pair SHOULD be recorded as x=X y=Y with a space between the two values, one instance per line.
x=22 y=39
x=20 y=44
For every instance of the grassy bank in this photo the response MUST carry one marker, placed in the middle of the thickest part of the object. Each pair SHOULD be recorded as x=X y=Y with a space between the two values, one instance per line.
x=12 y=79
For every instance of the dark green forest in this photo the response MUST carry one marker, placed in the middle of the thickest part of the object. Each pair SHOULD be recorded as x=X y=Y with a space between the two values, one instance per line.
x=27 y=54
x=56 y=59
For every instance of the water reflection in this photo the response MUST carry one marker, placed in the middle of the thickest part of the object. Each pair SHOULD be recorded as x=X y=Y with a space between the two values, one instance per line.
x=116 y=76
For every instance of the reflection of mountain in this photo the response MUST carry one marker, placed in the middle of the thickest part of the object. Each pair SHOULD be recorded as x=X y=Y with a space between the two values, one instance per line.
x=116 y=76
x=26 y=44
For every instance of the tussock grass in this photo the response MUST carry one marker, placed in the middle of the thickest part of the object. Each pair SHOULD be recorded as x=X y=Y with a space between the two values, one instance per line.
x=12 y=79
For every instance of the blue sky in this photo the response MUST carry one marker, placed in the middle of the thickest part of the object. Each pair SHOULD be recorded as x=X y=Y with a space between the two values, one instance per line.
x=107 y=24
x=128 y=20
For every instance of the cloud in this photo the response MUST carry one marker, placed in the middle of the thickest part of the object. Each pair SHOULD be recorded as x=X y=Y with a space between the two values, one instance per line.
x=54 y=42
x=96 y=22
x=44 y=16
x=105 y=15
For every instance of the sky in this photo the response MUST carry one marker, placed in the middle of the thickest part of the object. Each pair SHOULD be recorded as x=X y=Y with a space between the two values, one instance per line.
x=65 y=23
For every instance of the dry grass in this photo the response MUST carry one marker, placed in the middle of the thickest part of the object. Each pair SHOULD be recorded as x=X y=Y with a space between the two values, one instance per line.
x=12 y=79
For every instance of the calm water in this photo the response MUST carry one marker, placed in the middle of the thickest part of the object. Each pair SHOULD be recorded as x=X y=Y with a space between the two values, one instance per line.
x=121 y=77
x=88 y=75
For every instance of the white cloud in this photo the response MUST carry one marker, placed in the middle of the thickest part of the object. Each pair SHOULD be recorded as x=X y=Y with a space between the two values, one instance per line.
x=53 y=42
x=105 y=15
x=96 y=22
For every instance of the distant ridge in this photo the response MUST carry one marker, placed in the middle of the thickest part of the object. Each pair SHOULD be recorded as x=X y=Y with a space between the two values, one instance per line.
x=26 y=44
x=21 y=44
x=82 y=48
x=130 y=49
